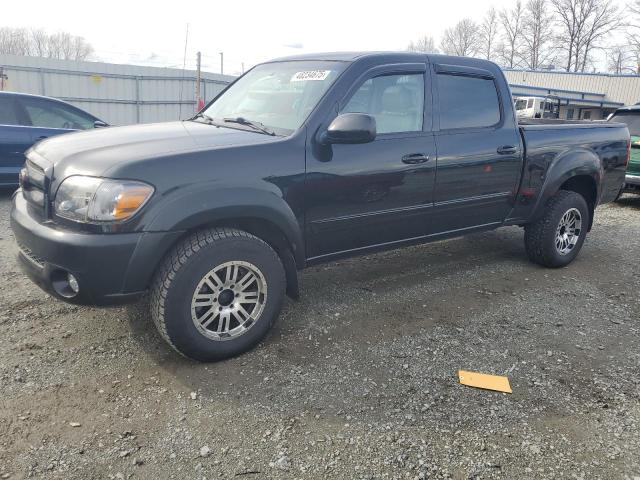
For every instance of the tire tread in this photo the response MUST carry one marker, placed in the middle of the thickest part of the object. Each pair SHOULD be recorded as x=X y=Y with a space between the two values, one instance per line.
x=176 y=259
x=537 y=233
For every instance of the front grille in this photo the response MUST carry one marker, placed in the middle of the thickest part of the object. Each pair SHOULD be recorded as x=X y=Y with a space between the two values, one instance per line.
x=32 y=257
x=34 y=182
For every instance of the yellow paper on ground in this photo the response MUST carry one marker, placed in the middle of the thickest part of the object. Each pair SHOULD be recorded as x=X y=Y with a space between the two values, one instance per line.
x=482 y=380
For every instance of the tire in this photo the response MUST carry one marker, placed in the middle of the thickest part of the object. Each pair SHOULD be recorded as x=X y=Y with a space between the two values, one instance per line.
x=195 y=302
x=544 y=241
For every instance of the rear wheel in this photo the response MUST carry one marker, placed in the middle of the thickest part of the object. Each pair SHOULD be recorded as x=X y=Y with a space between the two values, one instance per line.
x=217 y=294
x=556 y=238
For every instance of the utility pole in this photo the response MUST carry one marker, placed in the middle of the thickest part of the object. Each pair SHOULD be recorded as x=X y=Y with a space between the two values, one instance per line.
x=3 y=77
x=198 y=80
x=221 y=63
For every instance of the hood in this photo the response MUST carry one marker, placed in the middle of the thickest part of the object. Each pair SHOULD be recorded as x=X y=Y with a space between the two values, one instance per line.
x=94 y=152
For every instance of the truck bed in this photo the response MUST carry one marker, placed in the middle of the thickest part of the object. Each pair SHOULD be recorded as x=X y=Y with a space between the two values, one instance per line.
x=551 y=144
x=556 y=121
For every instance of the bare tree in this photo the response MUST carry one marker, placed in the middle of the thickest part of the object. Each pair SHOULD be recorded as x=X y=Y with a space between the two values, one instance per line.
x=14 y=40
x=424 y=44
x=510 y=50
x=620 y=60
x=537 y=29
x=633 y=35
x=39 y=43
x=462 y=39
x=605 y=20
x=571 y=19
x=584 y=24
x=489 y=32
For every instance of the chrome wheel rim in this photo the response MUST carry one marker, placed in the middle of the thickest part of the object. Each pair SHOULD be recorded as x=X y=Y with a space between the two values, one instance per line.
x=568 y=231
x=229 y=300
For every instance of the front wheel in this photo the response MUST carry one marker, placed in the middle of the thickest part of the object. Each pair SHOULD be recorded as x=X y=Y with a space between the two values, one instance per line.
x=217 y=294
x=555 y=239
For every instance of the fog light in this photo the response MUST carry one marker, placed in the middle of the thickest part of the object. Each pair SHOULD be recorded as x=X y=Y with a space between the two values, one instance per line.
x=64 y=283
x=73 y=283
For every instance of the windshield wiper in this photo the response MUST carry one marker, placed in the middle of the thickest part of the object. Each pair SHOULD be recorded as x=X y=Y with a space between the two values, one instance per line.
x=204 y=116
x=257 y=126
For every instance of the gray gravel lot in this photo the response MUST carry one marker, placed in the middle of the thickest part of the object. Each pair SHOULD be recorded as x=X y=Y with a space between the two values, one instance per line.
x=358 y=378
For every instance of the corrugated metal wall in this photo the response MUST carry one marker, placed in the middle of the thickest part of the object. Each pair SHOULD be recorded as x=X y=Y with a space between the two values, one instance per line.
x=117 y=94
x=616 y=88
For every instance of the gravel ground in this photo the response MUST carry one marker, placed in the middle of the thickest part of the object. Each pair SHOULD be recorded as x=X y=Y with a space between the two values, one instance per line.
x=358 y=380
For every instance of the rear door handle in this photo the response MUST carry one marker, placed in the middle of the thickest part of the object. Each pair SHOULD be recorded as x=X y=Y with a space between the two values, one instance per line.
x=507 y=150
x=415 y=158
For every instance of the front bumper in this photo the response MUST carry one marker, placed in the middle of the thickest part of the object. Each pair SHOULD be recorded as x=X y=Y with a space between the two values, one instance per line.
x=110 y=268
x=632 y=183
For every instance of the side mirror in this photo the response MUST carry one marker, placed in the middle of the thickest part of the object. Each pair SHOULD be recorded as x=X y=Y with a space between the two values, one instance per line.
x=350 y=128
x=99 y=124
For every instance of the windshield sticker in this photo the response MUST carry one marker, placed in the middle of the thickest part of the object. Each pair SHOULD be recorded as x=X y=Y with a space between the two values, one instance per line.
x=310 y=75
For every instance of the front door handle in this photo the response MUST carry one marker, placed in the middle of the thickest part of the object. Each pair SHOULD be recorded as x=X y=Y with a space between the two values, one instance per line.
x=507 y=150
x=415 y=158
x=42 y=137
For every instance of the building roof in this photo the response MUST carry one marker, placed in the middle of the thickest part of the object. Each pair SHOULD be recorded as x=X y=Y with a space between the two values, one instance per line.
x=566 y=97
x=611 y=91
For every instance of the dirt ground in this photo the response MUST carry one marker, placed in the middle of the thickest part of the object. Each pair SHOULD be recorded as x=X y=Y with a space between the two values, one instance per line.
x=358 y=380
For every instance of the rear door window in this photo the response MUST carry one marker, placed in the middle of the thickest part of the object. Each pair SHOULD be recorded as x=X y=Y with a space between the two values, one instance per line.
x=8 y=114
x=467 y=101
x=49 y=114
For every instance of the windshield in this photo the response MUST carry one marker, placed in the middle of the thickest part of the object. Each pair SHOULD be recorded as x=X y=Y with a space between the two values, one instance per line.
x=279 y=95
x=631 y=119
x=521 y=104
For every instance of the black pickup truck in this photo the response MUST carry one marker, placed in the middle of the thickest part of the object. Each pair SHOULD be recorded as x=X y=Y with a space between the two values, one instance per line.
x=301 y=160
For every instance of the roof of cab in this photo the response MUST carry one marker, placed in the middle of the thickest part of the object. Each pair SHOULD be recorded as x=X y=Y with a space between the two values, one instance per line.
x=391 y=56
x=346 y=56
x=31 y=95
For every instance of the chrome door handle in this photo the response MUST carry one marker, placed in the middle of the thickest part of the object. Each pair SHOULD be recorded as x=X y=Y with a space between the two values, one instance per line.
x=415 y=158
x=507 y=150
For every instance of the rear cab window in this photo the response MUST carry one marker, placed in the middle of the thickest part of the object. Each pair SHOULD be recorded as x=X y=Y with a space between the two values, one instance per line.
x=631 y=119
x=467 y=101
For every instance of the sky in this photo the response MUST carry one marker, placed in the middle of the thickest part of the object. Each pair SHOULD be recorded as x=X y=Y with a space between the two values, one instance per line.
x=247 y=31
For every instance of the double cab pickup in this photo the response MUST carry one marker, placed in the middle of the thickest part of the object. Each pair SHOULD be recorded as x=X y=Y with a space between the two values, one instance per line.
x=302 y=160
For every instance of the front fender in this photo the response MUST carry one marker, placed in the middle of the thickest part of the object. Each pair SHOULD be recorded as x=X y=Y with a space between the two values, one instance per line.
x=578 y=161
x=208 y=204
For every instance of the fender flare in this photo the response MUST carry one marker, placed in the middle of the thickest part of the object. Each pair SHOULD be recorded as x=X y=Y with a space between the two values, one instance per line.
x=573 y=163
x=207 y=205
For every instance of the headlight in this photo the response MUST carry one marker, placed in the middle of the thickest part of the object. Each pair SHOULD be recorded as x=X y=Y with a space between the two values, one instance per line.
x=94 y=200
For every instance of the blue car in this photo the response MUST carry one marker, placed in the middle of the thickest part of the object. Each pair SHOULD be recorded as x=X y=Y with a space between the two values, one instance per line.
x=27 y=119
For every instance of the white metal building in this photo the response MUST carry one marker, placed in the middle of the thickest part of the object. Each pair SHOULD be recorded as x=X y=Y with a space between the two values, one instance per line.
x=117 y=94
x=582 y=95
x=126 y=94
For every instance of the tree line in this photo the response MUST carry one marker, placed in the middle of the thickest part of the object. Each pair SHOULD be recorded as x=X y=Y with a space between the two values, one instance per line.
x=40 y=43
x=547 y=34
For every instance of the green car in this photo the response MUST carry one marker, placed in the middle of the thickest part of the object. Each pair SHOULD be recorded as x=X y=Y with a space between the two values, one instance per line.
x=631 y=116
